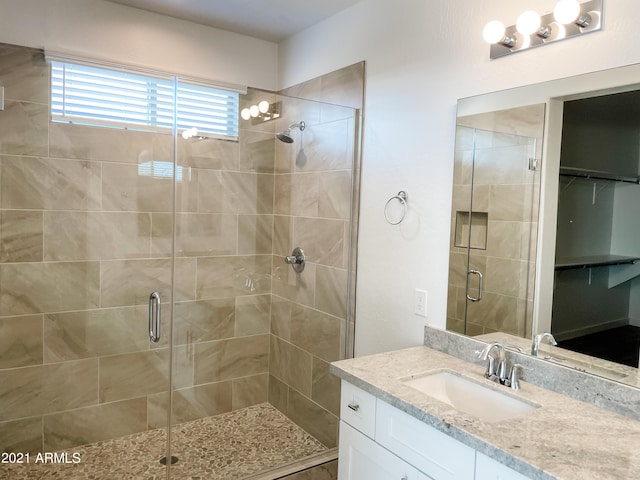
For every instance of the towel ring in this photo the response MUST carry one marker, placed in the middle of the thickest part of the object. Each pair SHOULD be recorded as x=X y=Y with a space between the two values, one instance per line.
x=402 y=198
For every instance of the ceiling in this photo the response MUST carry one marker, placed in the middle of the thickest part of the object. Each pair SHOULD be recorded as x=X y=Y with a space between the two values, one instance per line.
x=272 y=20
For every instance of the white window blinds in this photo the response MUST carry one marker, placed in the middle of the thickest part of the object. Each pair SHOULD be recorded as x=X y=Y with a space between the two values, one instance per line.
x=119 y=98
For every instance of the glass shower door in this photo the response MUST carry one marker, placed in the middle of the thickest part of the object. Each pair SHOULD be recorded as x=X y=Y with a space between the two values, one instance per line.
x=84 y=392
x=96 y=220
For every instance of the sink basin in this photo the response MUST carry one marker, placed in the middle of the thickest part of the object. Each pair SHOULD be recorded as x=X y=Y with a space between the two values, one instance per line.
x=469 y=396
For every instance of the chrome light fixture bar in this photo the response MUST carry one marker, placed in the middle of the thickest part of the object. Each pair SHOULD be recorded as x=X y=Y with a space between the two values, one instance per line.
x=570 y=18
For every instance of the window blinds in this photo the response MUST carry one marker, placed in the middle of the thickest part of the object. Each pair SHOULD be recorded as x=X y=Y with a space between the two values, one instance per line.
x=119 y=98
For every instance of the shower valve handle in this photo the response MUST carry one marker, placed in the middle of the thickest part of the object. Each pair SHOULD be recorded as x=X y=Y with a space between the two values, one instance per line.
x=296 y=259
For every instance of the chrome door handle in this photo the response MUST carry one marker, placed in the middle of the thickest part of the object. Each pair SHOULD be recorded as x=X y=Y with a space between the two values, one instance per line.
x=154 y=317
x=480 y=286
x=354 y=406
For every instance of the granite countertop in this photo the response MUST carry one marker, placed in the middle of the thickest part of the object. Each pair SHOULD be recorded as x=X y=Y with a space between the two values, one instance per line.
x=564 y=439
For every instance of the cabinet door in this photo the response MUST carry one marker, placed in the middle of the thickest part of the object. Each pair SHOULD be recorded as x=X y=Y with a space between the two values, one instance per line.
x=363 y=459
x=436 y=454
x=489 y=469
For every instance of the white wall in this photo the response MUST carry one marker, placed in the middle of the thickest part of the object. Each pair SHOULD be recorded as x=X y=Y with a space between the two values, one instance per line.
x=108 y=31
x=422 y=55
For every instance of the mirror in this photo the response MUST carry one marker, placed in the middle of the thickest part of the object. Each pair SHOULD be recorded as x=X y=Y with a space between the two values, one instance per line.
x=542 y=237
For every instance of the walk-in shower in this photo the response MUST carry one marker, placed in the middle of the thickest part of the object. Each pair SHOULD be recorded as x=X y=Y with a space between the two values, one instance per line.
x=286 y=135
x=94 y=220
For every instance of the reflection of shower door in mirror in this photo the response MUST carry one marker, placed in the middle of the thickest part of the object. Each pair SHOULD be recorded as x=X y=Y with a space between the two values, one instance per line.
x=494 y=225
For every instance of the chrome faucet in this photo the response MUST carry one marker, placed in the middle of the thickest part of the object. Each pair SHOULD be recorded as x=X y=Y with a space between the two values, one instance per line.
x=535 y=345
x=497 y=366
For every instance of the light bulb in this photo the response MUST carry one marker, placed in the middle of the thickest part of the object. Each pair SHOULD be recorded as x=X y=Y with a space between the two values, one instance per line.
x=245 y=114
x=566 y=11
x=190 y=132
x=528 y=23
x=263 y=106
x=493 y=31
x=254 y=110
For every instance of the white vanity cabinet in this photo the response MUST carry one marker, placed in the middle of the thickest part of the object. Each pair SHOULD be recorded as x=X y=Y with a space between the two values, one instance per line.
x=380 y=442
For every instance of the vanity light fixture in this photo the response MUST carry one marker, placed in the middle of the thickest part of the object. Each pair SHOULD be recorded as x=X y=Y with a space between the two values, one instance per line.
x=569 y=18
x=263 y=111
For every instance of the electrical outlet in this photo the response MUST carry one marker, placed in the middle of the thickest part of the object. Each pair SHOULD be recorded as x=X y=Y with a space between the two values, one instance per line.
x=420 y=302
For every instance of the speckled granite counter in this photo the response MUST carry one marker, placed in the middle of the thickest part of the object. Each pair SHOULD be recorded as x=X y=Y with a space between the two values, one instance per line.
x=563 y=439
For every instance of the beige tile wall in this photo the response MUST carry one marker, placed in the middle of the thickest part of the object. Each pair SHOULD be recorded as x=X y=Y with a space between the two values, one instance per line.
x=315 y=208
x=85 y=239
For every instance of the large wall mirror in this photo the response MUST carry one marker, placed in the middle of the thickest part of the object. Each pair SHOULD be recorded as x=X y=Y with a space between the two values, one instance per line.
x=545 y=230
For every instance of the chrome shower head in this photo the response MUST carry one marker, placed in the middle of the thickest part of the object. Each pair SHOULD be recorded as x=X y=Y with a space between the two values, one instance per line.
x=286 y=135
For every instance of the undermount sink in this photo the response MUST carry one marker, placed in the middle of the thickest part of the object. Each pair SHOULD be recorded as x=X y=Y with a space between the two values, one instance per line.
x=469 y=396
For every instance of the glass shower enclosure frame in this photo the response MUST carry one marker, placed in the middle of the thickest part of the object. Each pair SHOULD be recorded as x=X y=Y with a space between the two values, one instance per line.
x=112 y=235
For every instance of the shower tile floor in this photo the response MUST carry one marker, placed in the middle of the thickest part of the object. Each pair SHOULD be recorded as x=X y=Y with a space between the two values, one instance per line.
x=226 y=447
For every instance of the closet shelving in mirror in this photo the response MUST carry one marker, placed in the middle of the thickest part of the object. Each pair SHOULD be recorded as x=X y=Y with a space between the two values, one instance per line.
x=598 y=175
x=593 y=261
x=604 y=260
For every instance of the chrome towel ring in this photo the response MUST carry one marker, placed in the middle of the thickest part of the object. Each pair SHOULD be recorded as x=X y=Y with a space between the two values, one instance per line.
x=402 y=198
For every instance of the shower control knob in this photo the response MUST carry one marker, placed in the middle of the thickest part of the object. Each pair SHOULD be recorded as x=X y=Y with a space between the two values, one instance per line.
x=296 y=259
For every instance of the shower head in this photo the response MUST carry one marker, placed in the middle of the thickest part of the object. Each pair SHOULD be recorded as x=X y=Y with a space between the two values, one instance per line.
x=286 y=135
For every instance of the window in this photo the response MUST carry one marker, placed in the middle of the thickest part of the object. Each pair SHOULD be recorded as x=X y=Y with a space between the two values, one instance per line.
x=91 y=95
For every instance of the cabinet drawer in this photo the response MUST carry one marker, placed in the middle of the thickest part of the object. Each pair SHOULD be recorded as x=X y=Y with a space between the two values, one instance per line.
x=434 y=453
x=358 y=408
x=489 y=469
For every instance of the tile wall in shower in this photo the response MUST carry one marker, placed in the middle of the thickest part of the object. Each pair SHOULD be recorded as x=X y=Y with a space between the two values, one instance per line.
x=316 y=191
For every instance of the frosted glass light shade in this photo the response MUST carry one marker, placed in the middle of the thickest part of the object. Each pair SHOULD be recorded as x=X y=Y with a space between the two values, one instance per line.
x=566 y=11
x=493 y=31
x=254 y=110
x=245 y=114
x=263 y=106
x=528 y=22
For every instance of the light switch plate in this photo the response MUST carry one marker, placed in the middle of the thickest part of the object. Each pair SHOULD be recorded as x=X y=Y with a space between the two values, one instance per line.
x=420 y=302
x=1 y=98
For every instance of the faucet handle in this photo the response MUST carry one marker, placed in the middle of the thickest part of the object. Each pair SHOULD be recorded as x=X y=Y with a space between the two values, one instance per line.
x=514 y=378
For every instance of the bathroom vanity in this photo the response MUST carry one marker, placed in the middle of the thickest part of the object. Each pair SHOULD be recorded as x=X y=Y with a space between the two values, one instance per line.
x=389 y=429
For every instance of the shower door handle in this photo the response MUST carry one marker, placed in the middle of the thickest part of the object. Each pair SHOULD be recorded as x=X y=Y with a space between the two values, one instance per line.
x=154 y=317
x=479 y=297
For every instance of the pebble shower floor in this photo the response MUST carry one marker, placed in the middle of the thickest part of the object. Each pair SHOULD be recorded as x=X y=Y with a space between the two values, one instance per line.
x=224 y=447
